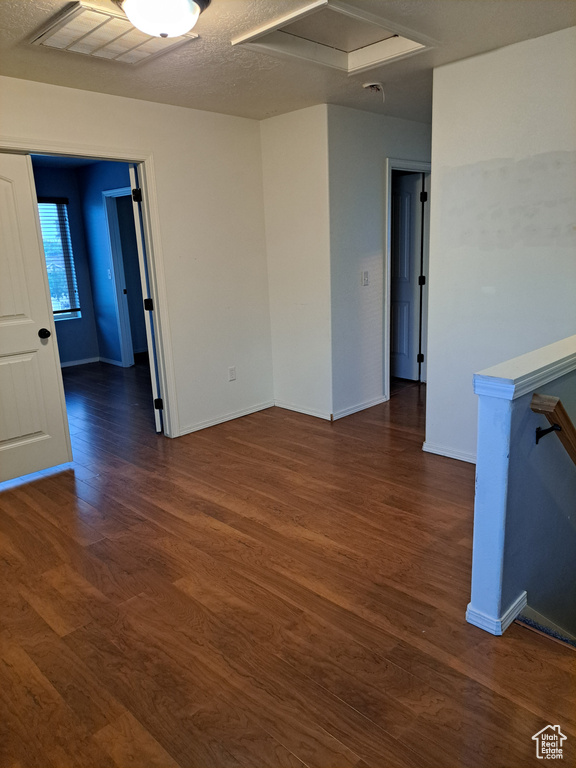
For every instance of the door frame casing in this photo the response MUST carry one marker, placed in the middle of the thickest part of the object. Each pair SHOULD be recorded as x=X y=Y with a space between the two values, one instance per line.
x=393 y=164
x=154 y=254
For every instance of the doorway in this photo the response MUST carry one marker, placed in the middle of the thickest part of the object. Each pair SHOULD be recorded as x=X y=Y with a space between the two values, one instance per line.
x=35 y=437
x=127 y=278
x=106 y=262
x=407 y=271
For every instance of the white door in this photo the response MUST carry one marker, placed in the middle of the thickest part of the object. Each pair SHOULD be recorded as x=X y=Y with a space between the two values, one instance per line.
x=147 y=293
x=126 y=348
x=406 y=244
x=33 y=422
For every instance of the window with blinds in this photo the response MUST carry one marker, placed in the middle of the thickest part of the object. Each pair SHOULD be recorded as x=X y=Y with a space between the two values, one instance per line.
x=59 y=258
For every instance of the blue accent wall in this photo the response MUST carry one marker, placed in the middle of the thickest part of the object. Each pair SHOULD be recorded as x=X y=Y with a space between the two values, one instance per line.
x=77 y=338
x=93 y=180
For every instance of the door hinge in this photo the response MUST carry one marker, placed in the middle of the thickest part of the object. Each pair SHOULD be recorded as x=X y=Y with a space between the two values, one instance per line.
x=423 y=197
x=137 y=195
x=420 y=358
x=158 y=404
x=422 y=280
x=148 y=304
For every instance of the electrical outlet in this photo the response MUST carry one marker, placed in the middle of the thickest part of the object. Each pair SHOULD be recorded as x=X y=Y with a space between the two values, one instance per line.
x=232 y=373
x=364 y=278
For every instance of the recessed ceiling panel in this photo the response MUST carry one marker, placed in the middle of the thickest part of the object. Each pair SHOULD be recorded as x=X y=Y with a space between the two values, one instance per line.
x=336 y=30
x=336 y=35
x=104 y=34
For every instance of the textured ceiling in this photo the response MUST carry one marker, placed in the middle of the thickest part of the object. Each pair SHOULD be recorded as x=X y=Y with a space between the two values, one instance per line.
x=210 y=74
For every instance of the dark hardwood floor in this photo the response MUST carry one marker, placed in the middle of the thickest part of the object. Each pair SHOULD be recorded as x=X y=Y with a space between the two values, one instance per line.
x=274 y=591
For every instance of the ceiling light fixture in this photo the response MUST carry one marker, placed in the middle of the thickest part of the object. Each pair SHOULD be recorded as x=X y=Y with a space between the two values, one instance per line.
x=163 y=18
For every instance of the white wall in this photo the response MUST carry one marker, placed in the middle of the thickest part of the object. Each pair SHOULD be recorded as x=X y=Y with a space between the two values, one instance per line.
x=359 y=143
x=503 y=241
x=324 y=183
x=211 y=244
x=295 y=165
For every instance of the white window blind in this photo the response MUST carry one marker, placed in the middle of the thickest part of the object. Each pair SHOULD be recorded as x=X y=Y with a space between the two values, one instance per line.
x=59 y=257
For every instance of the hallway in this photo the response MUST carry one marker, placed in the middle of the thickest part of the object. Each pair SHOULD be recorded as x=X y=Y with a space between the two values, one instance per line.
x=273 y=591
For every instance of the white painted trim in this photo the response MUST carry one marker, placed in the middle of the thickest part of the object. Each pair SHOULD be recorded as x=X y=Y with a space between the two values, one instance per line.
x=511 y=389
x=524 y=374
x=80 y=362
x=393 y=164
x=144 y=268
x=287 y=46
x=272 y=26
x=159 y=293
x=441 y=450
x=354 y=63
x=38 y=146
x=484 y=385
x=379 y=21
x=226 y=417
x=399 y=164
x=339 y=7
x=496 y=626
x=544 y=376
x=305 y=411
x=377 y=54
x=360 y=407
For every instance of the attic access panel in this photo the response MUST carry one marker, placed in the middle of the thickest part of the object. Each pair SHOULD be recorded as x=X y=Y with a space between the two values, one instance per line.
x=336 y=30
x=104 y=34
x=335 y=35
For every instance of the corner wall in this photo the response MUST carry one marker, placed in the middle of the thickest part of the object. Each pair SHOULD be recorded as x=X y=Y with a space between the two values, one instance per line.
x=295 y=166
x=359 y=144
x=503 y=242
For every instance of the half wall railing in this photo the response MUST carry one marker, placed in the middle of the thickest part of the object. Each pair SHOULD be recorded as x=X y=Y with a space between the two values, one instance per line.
x=525 y=504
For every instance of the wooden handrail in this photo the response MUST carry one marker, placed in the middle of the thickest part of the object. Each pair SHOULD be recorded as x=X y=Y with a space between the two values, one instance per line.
x=552 y=408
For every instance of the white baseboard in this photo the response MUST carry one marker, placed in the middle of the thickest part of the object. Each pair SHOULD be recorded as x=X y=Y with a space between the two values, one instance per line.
x=221 y=419
x=496 y=626
x=111 y=362
x=305 y=411
x=360 y=407
x=80 y=362
x=440 y=450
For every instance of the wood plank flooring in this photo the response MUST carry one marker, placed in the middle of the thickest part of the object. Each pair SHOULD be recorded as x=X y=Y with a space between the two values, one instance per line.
x=274 y=591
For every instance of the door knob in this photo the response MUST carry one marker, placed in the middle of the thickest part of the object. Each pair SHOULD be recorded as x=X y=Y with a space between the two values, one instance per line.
x=44 y=333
